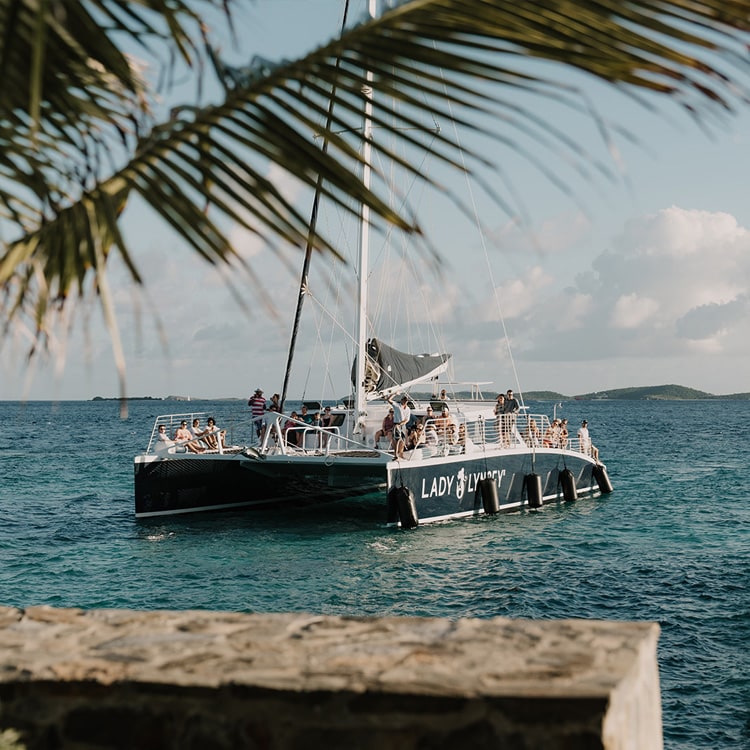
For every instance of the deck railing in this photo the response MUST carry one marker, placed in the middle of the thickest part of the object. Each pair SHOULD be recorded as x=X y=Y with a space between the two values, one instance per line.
x=458 y=435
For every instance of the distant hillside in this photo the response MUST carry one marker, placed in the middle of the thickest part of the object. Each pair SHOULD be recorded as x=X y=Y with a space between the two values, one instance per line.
x=644 y=393
x=658 y=392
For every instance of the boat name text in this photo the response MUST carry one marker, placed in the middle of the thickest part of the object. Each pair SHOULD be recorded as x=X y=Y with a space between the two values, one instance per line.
x=463 y=480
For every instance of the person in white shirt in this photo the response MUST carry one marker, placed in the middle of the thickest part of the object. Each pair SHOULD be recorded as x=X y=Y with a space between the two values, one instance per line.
x=584 y=440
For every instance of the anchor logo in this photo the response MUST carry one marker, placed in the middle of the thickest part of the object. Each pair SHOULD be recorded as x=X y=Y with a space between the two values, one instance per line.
x=461 y=484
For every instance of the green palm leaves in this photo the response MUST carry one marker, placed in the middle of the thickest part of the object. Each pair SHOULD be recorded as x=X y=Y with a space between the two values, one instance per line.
x=78 y=138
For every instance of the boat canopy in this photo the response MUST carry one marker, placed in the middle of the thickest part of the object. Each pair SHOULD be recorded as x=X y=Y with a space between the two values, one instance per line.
x=387 y=370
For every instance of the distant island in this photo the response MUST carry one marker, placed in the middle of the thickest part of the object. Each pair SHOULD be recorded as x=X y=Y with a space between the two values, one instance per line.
x=129 y=398
x=643 y=393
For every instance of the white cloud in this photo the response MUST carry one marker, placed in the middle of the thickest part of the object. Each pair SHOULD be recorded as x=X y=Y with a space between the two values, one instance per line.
x=632 y=311
x=674 y=290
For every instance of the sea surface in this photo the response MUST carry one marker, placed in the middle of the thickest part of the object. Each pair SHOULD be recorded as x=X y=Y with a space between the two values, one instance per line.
x=670 y=545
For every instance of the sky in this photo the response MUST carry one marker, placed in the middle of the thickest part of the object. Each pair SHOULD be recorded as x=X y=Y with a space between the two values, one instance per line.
x=642 y=279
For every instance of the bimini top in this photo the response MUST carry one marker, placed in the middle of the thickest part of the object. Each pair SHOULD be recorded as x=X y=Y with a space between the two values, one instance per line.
x=387 y=370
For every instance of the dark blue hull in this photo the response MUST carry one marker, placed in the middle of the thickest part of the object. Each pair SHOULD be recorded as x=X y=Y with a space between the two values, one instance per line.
x=448 y=486
x=200 y=483
x=442 y=488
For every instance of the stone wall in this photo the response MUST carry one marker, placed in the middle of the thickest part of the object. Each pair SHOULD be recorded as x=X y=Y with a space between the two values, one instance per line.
x=214 y=681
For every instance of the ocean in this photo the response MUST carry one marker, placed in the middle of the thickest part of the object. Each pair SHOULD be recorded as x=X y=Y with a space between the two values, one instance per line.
x=670 y=545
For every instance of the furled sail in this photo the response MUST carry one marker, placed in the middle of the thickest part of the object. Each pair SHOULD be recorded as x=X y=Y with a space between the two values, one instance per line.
x=387 y=370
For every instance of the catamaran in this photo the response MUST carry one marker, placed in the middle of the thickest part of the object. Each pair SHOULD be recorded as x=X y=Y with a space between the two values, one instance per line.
x=467 y=458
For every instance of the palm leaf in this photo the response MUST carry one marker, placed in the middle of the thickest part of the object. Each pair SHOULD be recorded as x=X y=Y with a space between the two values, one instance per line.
x=63 y=183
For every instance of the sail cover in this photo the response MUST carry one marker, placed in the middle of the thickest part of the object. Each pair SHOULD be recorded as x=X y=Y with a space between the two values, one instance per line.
x=387 y=370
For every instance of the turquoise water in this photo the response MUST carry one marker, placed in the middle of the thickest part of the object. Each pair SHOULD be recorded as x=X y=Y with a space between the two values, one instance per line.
x=671 y=545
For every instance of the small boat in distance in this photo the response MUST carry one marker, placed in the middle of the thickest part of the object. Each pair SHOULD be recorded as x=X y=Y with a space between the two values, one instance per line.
x=466 y=459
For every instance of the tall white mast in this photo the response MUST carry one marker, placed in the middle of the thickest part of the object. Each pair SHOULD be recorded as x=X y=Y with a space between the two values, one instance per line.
x=364 y=247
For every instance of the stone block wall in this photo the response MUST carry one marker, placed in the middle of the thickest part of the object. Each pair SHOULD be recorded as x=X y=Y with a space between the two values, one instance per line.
x=83 y=680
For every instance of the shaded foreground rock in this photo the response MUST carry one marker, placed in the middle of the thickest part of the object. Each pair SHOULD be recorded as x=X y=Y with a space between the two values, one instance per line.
x=213 y=680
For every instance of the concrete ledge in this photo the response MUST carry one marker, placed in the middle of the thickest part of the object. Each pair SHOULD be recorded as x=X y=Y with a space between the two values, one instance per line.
x=188 y=680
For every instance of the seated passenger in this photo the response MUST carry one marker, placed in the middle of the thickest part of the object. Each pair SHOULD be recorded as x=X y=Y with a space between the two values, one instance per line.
x=327 y=425
x=416 y=437
x=212 y=435
x=430 y=434
x=197 y=432
x=463 y=439
x=532 y=432
x=386 y=429
x=292 y=433
x=163 y=441
x=446 y=426
x=183 y=434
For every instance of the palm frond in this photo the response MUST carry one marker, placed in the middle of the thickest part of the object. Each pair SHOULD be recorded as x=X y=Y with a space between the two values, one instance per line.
x=63 y=185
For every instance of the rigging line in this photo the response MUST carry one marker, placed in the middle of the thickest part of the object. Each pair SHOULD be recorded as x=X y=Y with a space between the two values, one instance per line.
x=486 y=254
x=327 y=313
x=434 y=332
x=407 y=288
x=323 y=311
x=318 y=341
x=311 y=233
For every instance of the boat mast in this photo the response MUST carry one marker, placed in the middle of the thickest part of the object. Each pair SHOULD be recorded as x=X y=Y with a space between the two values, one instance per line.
x=360 y=395
x=310 y=235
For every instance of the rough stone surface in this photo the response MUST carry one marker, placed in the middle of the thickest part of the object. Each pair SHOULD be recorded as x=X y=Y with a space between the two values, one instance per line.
x=122 y=679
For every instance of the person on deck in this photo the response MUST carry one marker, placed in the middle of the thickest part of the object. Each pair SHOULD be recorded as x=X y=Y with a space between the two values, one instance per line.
x=416 y=437
x=430 y=434
x=183 y=434
x=213 y=435
x=291 y=431
x=584 y=440
x=446 y=426
x=196 y=430
x=533 y=434
x=327 y=425
x=564 y=433
x=549 y=436
x=510 y=412
x=500 y=414
x=163 y=441
x=386 y=429
x=401 y=417
x=257 y=405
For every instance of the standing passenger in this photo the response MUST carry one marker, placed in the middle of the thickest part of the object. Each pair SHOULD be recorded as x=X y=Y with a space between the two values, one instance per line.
x=257 y=406
x=500 y=414
x=401 y=417
x=510 y=410
x=584 y=441
x=564 y=433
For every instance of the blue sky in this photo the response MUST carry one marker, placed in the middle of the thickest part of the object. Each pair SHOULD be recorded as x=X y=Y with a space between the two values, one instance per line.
x=638 y=281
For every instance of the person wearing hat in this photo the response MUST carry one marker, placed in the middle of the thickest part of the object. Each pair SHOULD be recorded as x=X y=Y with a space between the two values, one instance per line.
x=257 y=405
